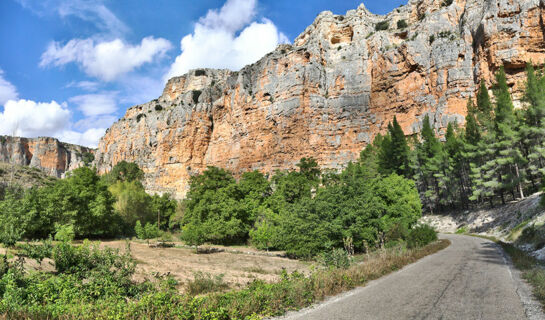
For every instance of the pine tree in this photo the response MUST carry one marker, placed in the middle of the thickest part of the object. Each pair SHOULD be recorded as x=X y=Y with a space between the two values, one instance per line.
x=485 y=108
x=532 y=126
x=501 y=160
x=455 y=167
x=428 y=165
x=394 y=151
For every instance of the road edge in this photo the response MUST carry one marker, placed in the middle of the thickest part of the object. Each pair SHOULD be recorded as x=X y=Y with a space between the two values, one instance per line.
x=532 y=307
x=333 y=299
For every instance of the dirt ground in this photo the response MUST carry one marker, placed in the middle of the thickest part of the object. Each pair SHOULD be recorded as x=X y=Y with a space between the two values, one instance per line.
x=238 y=268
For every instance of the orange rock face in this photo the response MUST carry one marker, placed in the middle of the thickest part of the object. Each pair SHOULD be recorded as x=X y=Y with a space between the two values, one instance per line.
x=327 y=95
x=48 y=154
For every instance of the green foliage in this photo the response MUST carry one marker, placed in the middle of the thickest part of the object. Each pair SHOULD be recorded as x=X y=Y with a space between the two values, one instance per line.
x=89 y=257
x=393 y=156
x=446 y=3
x=65 y=233
x=462 y=230
x=383 y=25
x=87 y=158
x=99 y=286
x=158 y=107
x=402 y=24
x=149 y=231
x=124 y=172
x=37 y=251
x=420 y=236
x=220 y=210
x=336 y=259
x=431 y=39
x=205 y=283
x=133 y=203
x=83 y=204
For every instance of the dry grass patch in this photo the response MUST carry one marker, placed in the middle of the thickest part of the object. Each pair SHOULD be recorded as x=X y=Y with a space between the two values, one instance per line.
x=238 y=269
x=295 y=291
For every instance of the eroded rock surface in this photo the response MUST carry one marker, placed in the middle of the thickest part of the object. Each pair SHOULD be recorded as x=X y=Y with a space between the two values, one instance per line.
x=328 y=94
x=47 y=154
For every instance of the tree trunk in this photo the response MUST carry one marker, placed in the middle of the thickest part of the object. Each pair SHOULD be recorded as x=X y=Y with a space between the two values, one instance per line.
x=519 y=181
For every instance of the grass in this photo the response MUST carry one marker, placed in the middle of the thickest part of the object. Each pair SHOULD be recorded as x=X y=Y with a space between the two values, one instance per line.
x=296 y=291
x=532 y=270
x=205 y=283
x=206 y=298
x=462 y=230
x=517 y=231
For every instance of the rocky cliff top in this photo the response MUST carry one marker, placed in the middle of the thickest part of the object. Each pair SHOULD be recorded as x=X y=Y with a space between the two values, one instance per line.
x=48 y=154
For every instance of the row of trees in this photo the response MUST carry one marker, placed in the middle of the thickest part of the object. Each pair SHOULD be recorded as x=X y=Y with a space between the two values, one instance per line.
x=499 y=154
x=303 y=211
x=90 y=205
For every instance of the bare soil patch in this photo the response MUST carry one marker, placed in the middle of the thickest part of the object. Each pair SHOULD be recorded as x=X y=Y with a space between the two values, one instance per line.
x=182 y=263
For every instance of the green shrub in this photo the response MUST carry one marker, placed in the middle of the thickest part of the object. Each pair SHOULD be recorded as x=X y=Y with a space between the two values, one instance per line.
x=383 y=25
x=336 y=259
x=158 y=107
x=65 y=233
x=89 y=257
x=149 y=231
x=446 y=3
x=421 y=235
x=462 y=230
x=87 y=158
x=37 y=251
x=402 y=24
x=432 y=39
x=205 y=283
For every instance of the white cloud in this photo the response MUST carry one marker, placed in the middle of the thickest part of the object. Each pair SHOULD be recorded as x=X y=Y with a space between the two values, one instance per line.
x=89 y=138
x=85 y=85
x=7 y=90
x=106 y=60
x=93 y=11
x=27 y=118
x=227 y=39
x=96 y=104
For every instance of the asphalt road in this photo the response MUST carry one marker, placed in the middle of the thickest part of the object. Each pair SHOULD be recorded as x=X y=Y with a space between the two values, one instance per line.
x=468 y=280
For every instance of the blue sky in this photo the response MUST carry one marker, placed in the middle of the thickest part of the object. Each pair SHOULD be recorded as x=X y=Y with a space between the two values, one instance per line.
x=70 y=68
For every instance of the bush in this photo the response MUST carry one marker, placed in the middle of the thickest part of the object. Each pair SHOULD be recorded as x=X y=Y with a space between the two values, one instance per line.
x=89 y=257
x=158 y=107
x=205 y=283
x=336 y=259
x=402 y=24
x=462 y=230
x=421 y=235
x=432 y=39
x=446 y=3
x=383 y=25
x=37 y=251
x=149 y=231
x=65 y=233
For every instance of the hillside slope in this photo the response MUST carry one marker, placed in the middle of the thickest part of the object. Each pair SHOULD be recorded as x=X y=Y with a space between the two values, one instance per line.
x=506 y=222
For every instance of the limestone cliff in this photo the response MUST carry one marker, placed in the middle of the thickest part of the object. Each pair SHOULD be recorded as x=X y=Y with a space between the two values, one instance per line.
x=47 y=154
x=329 y=93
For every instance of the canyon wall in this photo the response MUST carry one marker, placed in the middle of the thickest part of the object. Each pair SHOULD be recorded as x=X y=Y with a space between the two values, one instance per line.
x=47 y=154
x=329 y=93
